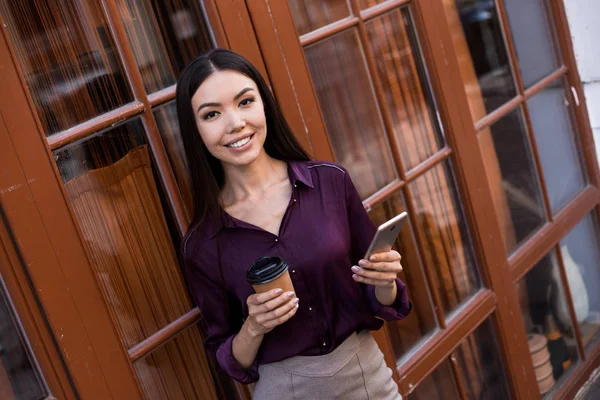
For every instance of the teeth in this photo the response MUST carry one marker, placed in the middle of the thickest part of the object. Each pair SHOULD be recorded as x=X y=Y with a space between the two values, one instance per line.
x=240 y=143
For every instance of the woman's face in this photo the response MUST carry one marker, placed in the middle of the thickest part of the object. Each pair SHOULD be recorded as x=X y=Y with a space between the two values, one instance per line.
x=230 y=117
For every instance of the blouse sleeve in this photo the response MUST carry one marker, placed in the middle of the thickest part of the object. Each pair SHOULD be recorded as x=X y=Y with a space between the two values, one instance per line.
x=222 y=318
x=362 y=231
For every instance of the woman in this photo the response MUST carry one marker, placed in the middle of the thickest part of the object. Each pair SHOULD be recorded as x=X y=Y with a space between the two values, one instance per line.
x=256 y=194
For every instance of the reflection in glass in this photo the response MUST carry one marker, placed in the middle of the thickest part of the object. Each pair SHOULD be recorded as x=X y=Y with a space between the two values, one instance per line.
x=109 y=180
x=310 y=15
x=353 y=121
x=68 y=58
x=533 y=38
x=406 y=87
x=555 y=138
x=168 y=126
x=444 y=236
x=421 y=321
x=482 y=55
x=19 y=376
x=552 y=343
x=481 y=367
x=580 y=251
x=164 y=36
x=513 y=179
x=440 y=385
x=177 y=369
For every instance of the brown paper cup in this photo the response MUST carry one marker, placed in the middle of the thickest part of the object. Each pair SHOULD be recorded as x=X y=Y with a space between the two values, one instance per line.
x=283 y=282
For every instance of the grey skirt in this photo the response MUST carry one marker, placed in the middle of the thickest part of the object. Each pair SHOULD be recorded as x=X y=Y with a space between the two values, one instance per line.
x=354 y=370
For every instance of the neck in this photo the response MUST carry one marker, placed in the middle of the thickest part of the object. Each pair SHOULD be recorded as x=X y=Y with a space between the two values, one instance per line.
x=242 y=182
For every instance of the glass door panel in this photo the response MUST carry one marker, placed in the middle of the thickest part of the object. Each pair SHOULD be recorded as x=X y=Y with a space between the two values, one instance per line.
x=408 y=96
x=556 y=141
x=513 y=178
x=346 y=95
x=533 y=36
x=310 y=15
x=164 y=37
x=68 y=58
x=548 y=323
x=482 y=53
x=20 y=377
x=580 y=252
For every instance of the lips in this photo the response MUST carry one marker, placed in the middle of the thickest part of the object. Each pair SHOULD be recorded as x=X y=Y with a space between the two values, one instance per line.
x=239 y=142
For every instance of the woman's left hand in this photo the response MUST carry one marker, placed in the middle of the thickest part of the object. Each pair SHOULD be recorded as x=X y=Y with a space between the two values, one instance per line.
x=380 y=270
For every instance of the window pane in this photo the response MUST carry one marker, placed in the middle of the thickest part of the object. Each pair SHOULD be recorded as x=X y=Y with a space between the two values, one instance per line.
x=555 y=138
x=19 y=376
x=482 y=55
x=353 y=121
x=421 y=321
x=407 y=93
x=164 y=36
x=168 y=126
x=177 y=370
x=513 y=179
x=444 y=236
x=580 y=251
x=533 y=38
x=369 y=3
x=440 y=385
x=552 y=344
x=68 y=58
x=481 y=367
x=310 y=15
x=109 y=180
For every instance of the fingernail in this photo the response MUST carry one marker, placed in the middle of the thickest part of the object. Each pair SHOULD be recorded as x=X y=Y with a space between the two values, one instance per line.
x=296 y=300
x=355 y=276
x=290 y=294
x=278 y=291
x=362 y=263
x=297 y=306
x=372 y=258
x=355 y=269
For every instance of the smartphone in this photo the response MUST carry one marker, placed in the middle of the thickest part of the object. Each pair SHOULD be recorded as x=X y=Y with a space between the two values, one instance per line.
x=386 y=235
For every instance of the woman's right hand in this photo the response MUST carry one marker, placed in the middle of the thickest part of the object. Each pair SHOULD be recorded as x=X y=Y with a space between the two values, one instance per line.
x=268 y=310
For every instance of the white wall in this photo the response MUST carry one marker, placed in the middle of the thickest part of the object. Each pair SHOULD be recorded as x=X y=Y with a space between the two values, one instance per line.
x=584 y=22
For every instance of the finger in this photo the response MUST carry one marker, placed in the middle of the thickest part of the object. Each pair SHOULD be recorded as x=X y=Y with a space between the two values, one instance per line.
x=374 y=282
x=278 y=321
x=386 y=256
x=369 y=274
x=278 y=312
x=261 y=298
x=276 y=302
x=381 y=266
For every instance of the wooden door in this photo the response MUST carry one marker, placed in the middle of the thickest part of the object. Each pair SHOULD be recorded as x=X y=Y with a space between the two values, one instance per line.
x=451 y=110
x=97 y=194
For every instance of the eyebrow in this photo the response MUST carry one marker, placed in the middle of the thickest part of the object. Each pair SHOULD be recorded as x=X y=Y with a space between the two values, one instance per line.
x=237 y=96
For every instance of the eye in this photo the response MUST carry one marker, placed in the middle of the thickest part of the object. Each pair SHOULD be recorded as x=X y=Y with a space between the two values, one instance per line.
x=210 y=115
x=247 y=102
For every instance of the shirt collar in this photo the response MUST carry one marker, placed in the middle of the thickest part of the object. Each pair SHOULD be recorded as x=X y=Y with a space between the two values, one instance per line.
x=298 y=171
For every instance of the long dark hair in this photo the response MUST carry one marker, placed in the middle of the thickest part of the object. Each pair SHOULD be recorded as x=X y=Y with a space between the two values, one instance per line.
x=206 y=171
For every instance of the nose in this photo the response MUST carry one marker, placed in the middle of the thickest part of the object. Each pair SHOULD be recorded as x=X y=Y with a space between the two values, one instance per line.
x=236 y=122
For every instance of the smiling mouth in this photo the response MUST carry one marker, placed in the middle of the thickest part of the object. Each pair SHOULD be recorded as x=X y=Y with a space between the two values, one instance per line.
x=239 y=143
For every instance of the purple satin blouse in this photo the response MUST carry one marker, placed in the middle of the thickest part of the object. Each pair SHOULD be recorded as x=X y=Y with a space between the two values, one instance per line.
x=324 y=232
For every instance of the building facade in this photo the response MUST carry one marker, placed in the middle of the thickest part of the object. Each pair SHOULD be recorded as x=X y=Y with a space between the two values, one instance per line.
x=469 y=114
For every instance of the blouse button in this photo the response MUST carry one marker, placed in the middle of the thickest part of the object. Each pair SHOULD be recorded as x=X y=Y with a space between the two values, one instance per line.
x=294 y=200
x=324 y=344
x=293 y=271
x=309 y=308
x=295 y=185
x=277 y=240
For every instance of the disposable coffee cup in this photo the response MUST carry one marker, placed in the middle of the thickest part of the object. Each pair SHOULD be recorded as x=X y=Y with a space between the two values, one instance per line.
x=269 y=273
